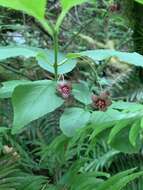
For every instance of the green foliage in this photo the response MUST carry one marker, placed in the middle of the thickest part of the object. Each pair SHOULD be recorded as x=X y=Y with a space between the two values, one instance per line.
x=12 y=177
x=45 y=58
x=46 y=61
x=10 y=52
x=65 y=65
x=30 y=7
x=139 y=1
x=30 y=101
x=73 y=119
x=134 y=132
x=99 y=55
x=82 y=93
x=120 y=180
x=36 y=10
x=9 y=86
x=84 y=156
x=66 y=6
x=121 y=123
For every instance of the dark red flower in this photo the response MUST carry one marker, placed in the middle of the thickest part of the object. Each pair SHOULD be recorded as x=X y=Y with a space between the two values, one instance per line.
x=101 y=102
x=64 y=89
x=114 y=8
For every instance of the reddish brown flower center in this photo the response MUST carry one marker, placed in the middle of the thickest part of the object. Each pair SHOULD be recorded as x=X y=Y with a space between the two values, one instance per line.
x=100 y=103
x=65 y=89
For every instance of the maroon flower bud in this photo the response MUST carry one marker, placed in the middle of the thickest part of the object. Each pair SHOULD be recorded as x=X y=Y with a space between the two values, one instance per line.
x=114 y=8
x=101 y=102
x=64 y=89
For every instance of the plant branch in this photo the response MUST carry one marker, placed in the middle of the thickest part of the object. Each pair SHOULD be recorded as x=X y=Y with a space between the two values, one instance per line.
x=13 y=70
x=82 y=27
x=47 y=26
x=95 y=72
x=55 y=40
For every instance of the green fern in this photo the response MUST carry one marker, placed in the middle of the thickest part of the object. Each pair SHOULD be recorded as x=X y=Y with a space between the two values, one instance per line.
x=12 y=177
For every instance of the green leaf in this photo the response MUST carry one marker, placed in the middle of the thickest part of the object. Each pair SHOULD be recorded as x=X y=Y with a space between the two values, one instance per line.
x=134 y=132
x=3 y=129
x=32 y=101
x=121 y=142
x=36 y=9
x=113 y=180
x=117 y=128
x=141 y=123
x=128 y=106
x=106 y=159
x=139 y=1
x=120 y=122
x=121 y=183
x=66 y=6
x=44 y=57
x=73 y=119
x=8 y=87
x=101 y=121
x=99 y=55
x=10 y=51
x=110 y=116
x=46 y=61
x=120 y=180
x=82 y=93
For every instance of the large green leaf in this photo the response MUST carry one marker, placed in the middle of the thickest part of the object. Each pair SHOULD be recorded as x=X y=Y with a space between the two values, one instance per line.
x=8 y=87
x=121 y=183
x=128 y=106
x=99 y=55
x=82 y=93
x=120 y=138
x=110 y=116
x=113 y=180
x=139 y=1
x=45 y=58
x=117 y=128
x=120 y=180
x=100 y=121
x=73 y=119
x=34 y=8
x=121 y=142
x=10 y=51
x=46 y=61
x=3 y=129
x=134 y=132
x=66 y=6
x=32 y=101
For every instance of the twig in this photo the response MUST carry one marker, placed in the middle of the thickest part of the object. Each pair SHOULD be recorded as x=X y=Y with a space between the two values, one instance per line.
x=13 y=70
x=75 y=35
